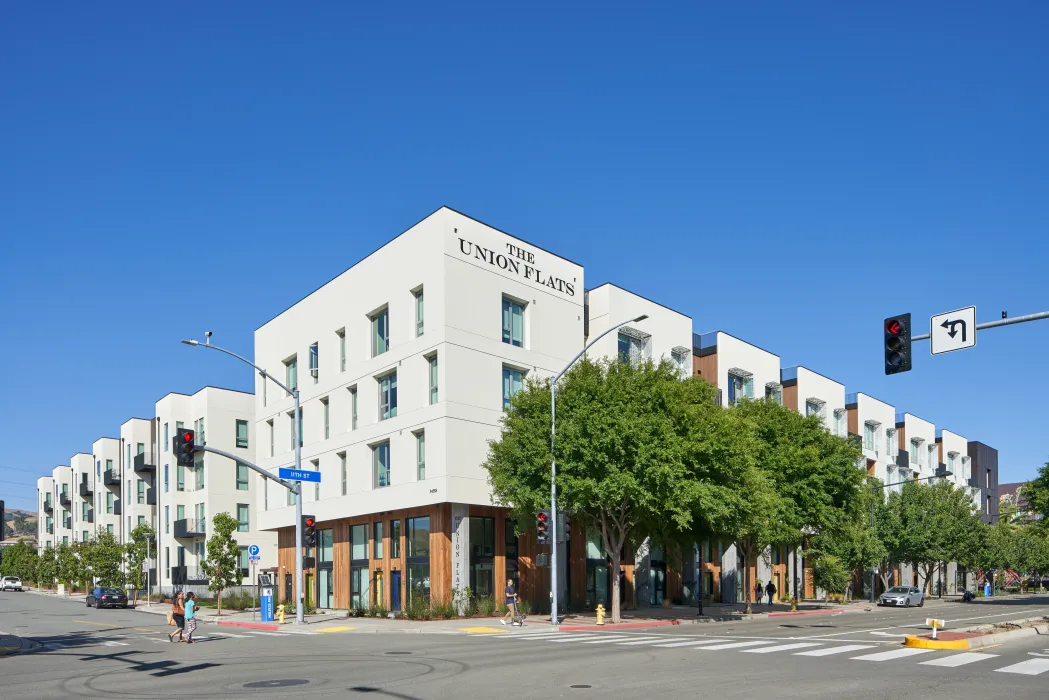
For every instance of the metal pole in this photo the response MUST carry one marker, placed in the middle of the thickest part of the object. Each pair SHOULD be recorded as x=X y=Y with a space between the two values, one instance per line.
x=300 y=580
x=701 y=577
x=553 y=502
x=874 y=493
x=1001 y=322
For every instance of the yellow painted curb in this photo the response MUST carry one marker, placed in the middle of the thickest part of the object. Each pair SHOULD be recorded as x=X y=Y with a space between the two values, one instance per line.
x=482 y=630
x=336 y=629
x=915 y=641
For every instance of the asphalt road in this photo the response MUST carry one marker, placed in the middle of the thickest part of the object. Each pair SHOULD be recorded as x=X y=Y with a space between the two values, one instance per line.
x=124 y=654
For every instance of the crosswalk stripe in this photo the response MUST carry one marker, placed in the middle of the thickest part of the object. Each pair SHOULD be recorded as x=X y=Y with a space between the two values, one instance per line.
x=834 y=650
x=228 y=634
x=614 y=639
x=958 y=659
x=572 y=637
x=270 y=634
x=890 y=655
x=543 y=635
x=652 y=640
x=734 y=645
x=1032 y=667
x=695 y=642
x=784 y=647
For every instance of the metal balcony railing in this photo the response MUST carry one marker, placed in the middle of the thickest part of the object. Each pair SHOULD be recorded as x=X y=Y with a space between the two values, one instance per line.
x=151 y=496
x=48 y=506
x=145 y=463
x=191 y=528
x=63 y=499
x=116 y=507
x=90 y=516
x=85 y=489
x=182 y=575
x=111 y=477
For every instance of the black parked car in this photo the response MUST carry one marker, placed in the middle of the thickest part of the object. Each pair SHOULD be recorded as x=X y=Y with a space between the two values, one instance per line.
x=107 y=598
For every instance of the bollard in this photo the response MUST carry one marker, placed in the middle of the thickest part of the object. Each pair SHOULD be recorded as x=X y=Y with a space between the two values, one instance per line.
x=600 y=614
x=280 y=614
x=793 y=604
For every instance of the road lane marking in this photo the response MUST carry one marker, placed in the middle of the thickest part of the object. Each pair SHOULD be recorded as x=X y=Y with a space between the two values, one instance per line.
x=97 y=624
x=652 y=640
x=958 y=659
x=228 y=634
x=733 y=645
x=270 y=634
x=890 y=655
x=919 y=624
x=784 y=647
x=836 y=650
x=614 y=638
x=572 y=637
x=1032 y=667
x=693 y=643
x=523 y=635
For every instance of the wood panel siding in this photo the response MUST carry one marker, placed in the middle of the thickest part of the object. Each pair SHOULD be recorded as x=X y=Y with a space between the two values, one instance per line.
x=790 y=396
x=706 y=367
x=853 y=415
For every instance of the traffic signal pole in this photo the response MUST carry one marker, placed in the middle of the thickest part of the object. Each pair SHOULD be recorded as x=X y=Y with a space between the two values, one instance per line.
x=1001 y=322
x=295 y=487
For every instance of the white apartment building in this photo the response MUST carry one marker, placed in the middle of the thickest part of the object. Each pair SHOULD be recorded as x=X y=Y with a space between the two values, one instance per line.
x=917 y=443
x=953 y=453
x=65 y=485
x=405 y=363
x=189 y=497
x=810 y=393
x=738 y=369
x=873 y=422
x=82 y=511
x=106 y=473
x=46 y=507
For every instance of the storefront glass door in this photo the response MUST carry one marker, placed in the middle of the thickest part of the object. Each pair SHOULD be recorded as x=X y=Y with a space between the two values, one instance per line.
x=324 y=589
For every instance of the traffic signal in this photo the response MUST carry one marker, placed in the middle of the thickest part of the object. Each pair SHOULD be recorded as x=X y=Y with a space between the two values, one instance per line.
x=309 y=530
x=897 y=344
x=543 y=525
x=183 y=445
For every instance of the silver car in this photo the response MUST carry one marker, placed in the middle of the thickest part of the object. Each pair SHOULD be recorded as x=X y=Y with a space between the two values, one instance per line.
x=902 y=596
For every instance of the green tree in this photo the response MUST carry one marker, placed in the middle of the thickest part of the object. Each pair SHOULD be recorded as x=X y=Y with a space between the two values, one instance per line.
x=19 y=560
x=71 y=570
x=830 y=573
x=104 y=557
x=222 y=563
x=809 y=481
x=1037 y=493
x=47 y=568
x=854 y=541
x=142 y=546
x=639 y=452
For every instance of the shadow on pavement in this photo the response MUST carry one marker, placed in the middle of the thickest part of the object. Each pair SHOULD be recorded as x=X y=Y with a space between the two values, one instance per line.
x=380 y=691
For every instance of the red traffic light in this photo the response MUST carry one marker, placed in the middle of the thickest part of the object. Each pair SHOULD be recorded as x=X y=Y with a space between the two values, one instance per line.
x=187 y=437
x=309 y=522
x=894 y=327
x=541 y=517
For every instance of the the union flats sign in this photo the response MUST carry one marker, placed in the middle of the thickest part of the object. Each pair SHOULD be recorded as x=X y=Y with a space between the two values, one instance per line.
x=519 y=261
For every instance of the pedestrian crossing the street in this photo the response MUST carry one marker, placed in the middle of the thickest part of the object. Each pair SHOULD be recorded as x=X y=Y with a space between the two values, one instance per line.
x=816 y=648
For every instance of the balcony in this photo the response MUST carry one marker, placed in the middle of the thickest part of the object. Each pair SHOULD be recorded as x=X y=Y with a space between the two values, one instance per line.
x=85 y=489
x=63 y=500
x=145 y=463
x=116 y=507
x=189 y=528
x=111 y=477
x=151 y=496
x=48 y=506
x=183 y=575
x=90 y=517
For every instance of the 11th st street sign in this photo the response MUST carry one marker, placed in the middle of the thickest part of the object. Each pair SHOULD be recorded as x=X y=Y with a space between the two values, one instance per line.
x=954 y=330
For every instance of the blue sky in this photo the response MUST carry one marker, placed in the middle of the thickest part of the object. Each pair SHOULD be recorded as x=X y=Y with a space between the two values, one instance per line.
x=790 y=173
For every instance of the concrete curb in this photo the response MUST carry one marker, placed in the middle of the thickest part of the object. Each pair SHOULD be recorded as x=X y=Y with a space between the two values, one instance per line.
x=987 y=640
x=915 y=641
x=247 y=625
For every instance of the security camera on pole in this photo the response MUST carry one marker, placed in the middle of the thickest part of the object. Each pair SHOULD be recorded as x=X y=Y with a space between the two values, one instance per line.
x=295 y=486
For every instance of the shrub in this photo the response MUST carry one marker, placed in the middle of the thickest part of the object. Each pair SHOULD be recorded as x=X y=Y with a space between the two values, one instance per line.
x=524 y=607
x=485 y=606
x=417 y=608
x=381 y=611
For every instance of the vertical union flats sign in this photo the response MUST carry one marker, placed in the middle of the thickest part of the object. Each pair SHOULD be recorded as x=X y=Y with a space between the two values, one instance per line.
x=518 y=260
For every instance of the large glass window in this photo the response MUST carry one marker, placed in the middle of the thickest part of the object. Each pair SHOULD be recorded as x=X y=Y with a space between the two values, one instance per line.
x=167 y=520
x=242 y=517
x=418 y=543
x=377 y=539
x=418 y=537
x=513 y=322
x=395 y=539
x=774 y=393
x=242 y=433
x=269 y=426
x=915 y=451
x=325 y=546
x=432 y=366
x=740 y=387
x=198 y=473
x=242 y=477
x=359 y=542
x=180 y=477
x=381 y=462
x=388 y=396
x=380 y=332
x=813 y=408
x=513 y=380
x=420 y=455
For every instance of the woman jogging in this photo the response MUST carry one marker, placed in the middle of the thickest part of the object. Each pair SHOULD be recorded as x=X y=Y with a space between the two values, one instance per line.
x=191 y=617
x=178 y=616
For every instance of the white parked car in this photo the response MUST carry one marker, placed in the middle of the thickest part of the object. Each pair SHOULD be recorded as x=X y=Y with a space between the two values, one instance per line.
x=11 y=583
x=903 y=596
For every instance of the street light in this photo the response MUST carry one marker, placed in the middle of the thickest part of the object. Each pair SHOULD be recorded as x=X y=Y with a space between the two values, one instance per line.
x=553 y=462
x=874 y=489
x=299 y=577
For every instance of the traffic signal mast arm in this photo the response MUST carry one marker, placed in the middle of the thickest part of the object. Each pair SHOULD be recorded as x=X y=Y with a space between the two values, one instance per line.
x=994 y=324
x=293 y=486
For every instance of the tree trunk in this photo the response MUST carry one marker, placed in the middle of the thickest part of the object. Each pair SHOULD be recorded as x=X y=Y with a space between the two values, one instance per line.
x=220 y=604
x=746 y=547
x=616 y=612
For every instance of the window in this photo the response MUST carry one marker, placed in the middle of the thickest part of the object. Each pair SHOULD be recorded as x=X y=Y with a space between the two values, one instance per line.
x=932 y=456
x=167 y=478
x=513 y=322
x=891 y=447
x=774 y=393
x=141 y=495
x=242 y=517
x=180 y=512
x=388 y=396
x=740 y=386
x=315 y=367
x=291 y=372
x=513 y=379
x=868 y=436
x=325 y=545
x=292 y=498
x=432 y=367
x=341 y=333
x=381 y=464
x=342 y=470
x=380 y=332
x=814 y=407
x=128 y=492
x=418 y=537
x=915 y=448
x=358 y=542
x=180 y=477
x=419 y=325
x=420 y=455
x=681 y=359
x=109 y=465
x=200 y=431
x=395 y=539
x=324 y=404
x=167 y=439
x=377 y=539
x=839 y=422
x=167 y=520
x=83 y=536
x=243 y=558
x=242 y=477
x=141 y=520
x=109 y=502
x=242 y=433
x=353 y=408
x=269 y=425
x=316 y=464
x=291 y=419
x=140 y=448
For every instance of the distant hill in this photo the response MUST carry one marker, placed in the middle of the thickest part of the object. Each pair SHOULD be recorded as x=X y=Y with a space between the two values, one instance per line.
x=19 y=522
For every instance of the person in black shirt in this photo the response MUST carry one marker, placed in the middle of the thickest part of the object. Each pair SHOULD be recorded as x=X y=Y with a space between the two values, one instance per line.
x=511 y=603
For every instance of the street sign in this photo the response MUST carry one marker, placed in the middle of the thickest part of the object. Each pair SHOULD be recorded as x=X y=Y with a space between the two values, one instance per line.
x=300 y=475
x=253 y=550
x=954 y=330
x=254 y=560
